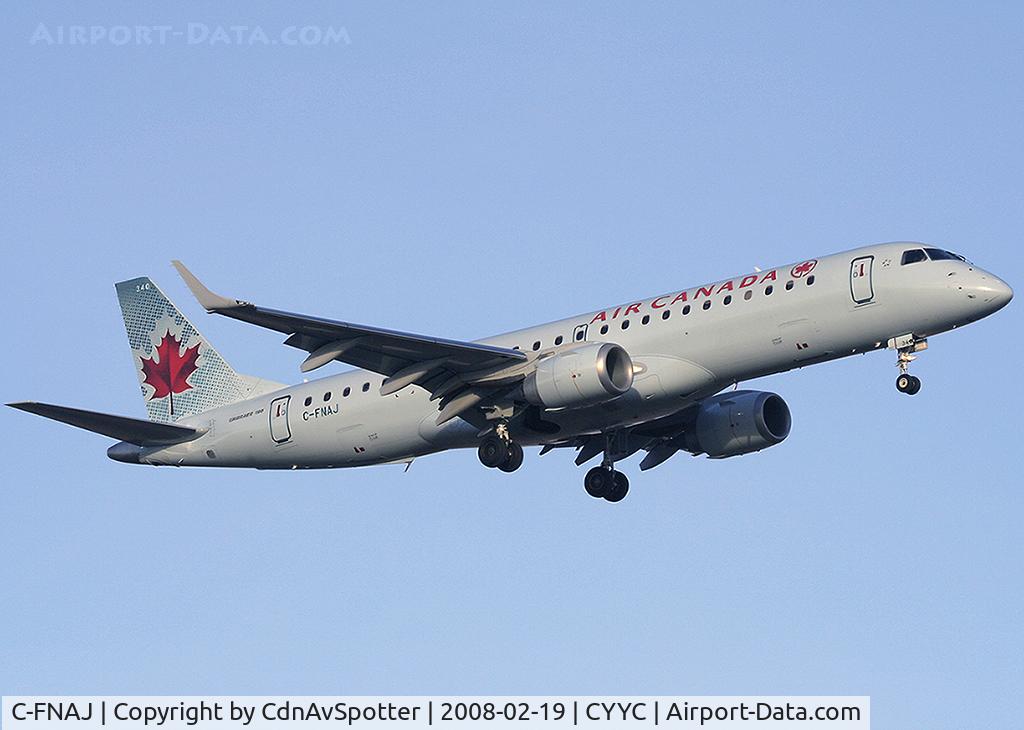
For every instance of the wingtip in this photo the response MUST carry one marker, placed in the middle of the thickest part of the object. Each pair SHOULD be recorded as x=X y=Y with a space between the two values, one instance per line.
x=209 y=301
x=27 y=406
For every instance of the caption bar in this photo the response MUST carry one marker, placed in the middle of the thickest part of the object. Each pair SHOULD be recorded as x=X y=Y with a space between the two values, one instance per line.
x=285 y=713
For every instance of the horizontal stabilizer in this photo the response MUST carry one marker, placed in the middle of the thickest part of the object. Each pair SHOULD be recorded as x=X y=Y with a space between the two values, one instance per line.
x=133 y=430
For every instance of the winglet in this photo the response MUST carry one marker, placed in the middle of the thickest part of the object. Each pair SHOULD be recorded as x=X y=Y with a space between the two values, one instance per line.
x=211 y=302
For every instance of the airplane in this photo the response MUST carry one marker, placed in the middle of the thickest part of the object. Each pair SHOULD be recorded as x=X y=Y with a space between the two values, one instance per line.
x=651 y=375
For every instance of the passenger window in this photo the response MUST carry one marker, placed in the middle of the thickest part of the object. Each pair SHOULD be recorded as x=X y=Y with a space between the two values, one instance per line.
x=666 y=314
x=308 y=401
x=728 y=300
x=748 y=294
x=646 y=319
x=707 y=304
x=327 y=396
x=366 y=387
x=686 y=309
x=558 y=340
x=625 y=324
x=789 y=285
x=810 y=280
x=536 y=345
x=768 y=290
x=344 y=393
x=912 y=256
x=604 y=329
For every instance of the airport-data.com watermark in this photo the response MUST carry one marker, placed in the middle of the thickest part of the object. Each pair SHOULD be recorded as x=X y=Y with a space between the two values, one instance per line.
x=188 y=34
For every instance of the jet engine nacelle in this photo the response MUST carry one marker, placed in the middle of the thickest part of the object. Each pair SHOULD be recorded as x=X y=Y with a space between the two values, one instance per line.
x=737 y=423
x=582 y=376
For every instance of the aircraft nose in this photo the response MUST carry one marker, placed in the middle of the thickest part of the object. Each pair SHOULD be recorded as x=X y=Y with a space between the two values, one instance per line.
x=993 y=291
x=999 y=293
x=1003 y=293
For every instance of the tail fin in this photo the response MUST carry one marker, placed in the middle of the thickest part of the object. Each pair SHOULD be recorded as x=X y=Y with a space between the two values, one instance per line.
x=180 y=372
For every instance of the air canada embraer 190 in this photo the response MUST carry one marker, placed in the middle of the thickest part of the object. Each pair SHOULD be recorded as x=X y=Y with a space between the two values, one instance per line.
x=649 y=375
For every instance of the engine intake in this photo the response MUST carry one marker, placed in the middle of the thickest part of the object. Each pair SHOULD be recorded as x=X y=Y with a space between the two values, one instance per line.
x=582 y=376
x=737 y=423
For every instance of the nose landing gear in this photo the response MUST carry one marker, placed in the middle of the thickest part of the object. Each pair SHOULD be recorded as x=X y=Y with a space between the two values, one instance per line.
x=905 y=348
x=909 y=384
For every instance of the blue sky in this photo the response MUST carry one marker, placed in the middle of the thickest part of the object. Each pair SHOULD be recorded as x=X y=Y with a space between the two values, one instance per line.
x=468 y=169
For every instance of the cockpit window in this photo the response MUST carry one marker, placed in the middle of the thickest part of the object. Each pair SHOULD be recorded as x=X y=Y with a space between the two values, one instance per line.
x=912 y=256
x=937 y=254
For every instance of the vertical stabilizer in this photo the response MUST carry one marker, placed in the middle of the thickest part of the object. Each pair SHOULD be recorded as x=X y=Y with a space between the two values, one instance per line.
x=180 y=372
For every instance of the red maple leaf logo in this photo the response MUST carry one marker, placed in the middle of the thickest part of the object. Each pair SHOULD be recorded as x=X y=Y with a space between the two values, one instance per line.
x=169 y=374
x=803 y=269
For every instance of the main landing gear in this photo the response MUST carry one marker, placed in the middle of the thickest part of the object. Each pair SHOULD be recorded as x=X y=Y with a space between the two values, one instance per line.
x=603 y=482
x=499 y=451
x=905 y=382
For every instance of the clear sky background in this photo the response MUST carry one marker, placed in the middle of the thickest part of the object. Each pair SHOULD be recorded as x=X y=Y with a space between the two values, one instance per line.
x=468 y=169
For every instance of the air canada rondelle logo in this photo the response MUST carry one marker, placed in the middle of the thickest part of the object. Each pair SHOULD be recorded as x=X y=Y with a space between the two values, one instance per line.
x=168 y=368
x=801 y=270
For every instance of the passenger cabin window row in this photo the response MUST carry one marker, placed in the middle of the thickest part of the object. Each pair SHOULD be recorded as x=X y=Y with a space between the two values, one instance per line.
x=665 y=315
x=344 y=394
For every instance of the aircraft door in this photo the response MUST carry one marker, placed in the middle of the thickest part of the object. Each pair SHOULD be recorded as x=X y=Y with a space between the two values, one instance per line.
x=861 y=287
x=279 y=429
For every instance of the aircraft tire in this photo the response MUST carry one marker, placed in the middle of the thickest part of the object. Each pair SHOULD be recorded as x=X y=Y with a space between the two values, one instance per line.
x=903 y=382
x=598 y=482
x=514 y=458
x=915 y=385
x=493 y=451
x=620 y=487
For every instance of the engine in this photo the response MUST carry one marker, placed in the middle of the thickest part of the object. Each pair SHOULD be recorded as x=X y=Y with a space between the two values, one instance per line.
x=582 y=376
x=737 y=423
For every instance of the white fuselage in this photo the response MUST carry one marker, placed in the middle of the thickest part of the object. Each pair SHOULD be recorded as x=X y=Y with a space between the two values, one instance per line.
x=685 y=345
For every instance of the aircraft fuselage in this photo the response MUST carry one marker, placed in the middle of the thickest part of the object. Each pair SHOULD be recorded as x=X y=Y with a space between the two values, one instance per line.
x=685 y=345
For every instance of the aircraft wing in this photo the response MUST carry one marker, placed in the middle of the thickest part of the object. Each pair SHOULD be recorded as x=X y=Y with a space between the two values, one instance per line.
x=443 y=367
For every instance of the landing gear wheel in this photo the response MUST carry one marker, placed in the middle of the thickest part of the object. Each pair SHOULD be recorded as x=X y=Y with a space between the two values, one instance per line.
x=598 y=482
x=909 y=384
x=493 y=451
x=620 y=487
x=514 y=458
